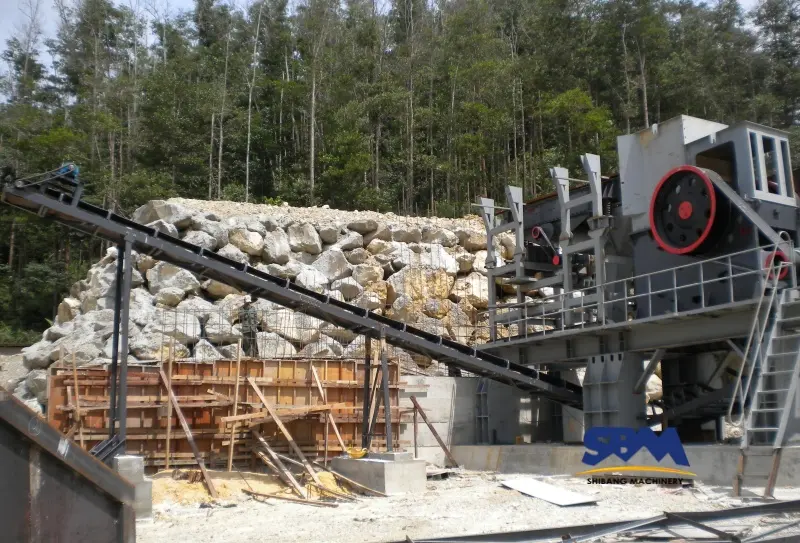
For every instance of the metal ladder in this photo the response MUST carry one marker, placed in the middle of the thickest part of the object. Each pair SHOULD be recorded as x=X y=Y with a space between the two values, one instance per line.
x=771 y=371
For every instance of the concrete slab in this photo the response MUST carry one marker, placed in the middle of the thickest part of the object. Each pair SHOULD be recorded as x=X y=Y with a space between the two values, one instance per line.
x=391 y=456
x=389 y=477
x=712 y=463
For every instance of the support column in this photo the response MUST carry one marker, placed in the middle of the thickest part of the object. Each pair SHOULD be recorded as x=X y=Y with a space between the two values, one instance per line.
x=112 y=416
x=367 y=384
x=387 y=405
x=122 y=395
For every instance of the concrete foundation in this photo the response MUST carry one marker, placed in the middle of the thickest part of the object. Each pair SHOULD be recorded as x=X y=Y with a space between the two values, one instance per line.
x=401 y=476
x=713 y=464
x=132 y=469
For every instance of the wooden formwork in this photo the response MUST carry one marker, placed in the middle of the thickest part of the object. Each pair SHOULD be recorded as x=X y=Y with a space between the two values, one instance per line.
x=205 y=392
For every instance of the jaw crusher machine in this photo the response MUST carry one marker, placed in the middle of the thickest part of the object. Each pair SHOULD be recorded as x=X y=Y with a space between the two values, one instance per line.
x=695 y=215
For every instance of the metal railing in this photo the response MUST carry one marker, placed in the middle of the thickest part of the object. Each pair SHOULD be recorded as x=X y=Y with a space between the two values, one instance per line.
x=752 y=361
x=591 y=307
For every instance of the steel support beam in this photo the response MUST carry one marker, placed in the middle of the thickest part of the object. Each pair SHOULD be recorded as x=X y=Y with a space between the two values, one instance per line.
x=648 y=371
x=367 y=384
x=122 y=394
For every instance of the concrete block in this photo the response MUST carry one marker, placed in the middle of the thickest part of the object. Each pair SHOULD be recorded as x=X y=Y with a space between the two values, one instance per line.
x=130 y=467
x=395 y=456
x=143 y=499
x=384 y=476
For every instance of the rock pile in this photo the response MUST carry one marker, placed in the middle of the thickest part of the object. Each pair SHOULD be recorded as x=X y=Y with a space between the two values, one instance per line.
x=429 y=272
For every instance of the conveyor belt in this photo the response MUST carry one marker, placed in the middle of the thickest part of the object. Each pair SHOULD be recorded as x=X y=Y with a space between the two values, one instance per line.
x=59 y=206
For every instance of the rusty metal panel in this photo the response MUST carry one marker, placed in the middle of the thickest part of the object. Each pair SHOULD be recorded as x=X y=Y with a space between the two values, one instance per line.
x=56 y=494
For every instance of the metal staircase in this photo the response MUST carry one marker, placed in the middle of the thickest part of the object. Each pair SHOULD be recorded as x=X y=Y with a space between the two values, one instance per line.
x=767 y=386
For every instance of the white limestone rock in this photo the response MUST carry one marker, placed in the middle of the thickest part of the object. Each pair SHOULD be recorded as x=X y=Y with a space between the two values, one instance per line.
x=171 y=213
x=350 y=241
x=439 y=236
x=271 y=345
x=348 y=287
x=246 y=241
x=218 y=329
x=328 y=233
x=312 y=279
x=481 y=260
x=303 y=237
x=165 y=275
x=325 y=347
x=213 y=228
x=295 y=327
x=276 y=247
x=68 y=309
x=37 y=355
x=333 y=264
x=201 y=239
x=218 y=290
x=164 y=227
x=170 y=296
x=473 y=288
x=406 y=233
x=234 y=253
x=365 y=274
x=363 y=226
x=205 y=352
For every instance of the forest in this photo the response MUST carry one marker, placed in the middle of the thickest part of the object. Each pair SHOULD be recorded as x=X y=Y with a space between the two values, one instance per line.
x=410 y=106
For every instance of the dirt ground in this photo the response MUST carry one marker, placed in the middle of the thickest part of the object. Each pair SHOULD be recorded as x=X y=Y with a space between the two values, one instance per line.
x=465 y=503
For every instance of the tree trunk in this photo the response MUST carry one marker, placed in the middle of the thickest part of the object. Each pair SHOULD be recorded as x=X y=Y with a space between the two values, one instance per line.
x=211 y=160
x=250 y=107
x=312 y=128
x=222 y=117
x=11 y=240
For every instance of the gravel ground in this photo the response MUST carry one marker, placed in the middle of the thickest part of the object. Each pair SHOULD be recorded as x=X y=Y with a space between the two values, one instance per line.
x=466 y=503
x=316 y=215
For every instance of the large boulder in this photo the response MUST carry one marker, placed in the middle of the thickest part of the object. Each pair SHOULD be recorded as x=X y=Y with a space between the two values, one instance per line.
x=171 y=213
x=439 y=236
x=350 y=241
x=295 y=327
x=358 y=256
x=246 y=241
x=68 y=309
x=165 y=275
x=169 y=297
x=348 y=287
x=205 y=352
x=407 y=233
x=328 y=233
x=37 y=355
x=213 y=229
x=276 y=247
x=342 y=335
x=271 y=345
x=36 y=384
x=465 y=261
x=437 y=308
x=197 y=306
x=333 y=264
x=435 y=256
x=471 y=239
x=164 y=228
x=303 y=237
x=184 y=327
x=480 y=264
x=325 y=347
x=312 y=279
x=459 y=321
x=153 y=345
x=234 y=253
x=419 y=284
x=363 y=226
x=218 y=329
x=218 y=290
x=365 y=274
x=405 y=309
x=473 y=288
x=141 y=309
x=201 y=239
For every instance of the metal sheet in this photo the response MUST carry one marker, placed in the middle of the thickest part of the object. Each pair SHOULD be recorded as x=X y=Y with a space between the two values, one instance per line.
x=546 y=492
